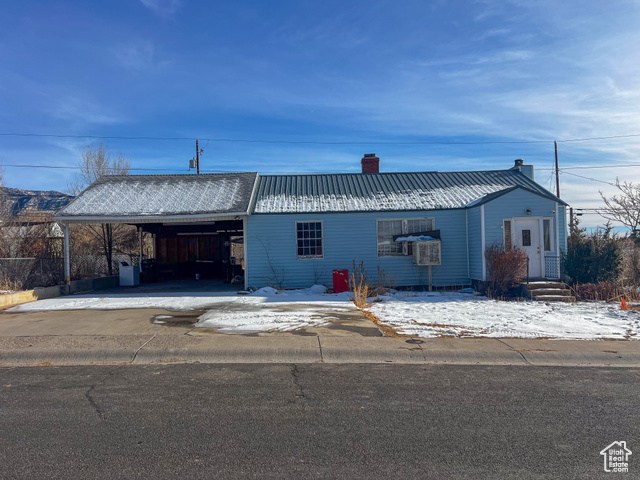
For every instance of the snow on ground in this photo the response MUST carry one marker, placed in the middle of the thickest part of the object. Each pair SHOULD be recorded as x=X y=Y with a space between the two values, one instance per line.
x=430 y=314
x=169 y=301
x=264 y=310
x=264 y=320
x=278 y=311
x=425 y=314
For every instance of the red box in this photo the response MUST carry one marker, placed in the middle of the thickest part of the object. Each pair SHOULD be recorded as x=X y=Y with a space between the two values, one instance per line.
x=340 y=281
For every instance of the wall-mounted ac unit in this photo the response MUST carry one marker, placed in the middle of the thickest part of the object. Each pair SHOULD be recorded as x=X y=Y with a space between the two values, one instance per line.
x=427 y=253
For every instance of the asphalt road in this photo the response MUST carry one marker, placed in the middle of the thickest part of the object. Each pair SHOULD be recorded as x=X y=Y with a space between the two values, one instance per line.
x=328 y=421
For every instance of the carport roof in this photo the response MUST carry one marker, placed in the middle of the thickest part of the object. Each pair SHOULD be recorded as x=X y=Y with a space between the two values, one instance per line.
x=161 y=198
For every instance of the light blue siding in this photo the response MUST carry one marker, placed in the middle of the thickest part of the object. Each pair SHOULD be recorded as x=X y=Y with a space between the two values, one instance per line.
x=349 y=237
x=475 y=243
x=563 y=228
x=513 y=205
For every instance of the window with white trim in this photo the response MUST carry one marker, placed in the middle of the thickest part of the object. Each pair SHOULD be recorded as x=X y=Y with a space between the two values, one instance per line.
x=546 y=229
x=309 y=239
x=507 y=234
x=387 y=229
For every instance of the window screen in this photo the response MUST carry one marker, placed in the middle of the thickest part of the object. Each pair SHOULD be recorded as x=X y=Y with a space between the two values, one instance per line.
x=547 y=235
x=419 y=225
x=386 y=231
x=309 y=239
x=507 y=234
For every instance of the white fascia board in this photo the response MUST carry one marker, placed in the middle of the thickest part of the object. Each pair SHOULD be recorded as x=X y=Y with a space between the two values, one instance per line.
x=246 y=252
x=482 y=236
x=558 y=236
x=139 y=219
x=254 y=193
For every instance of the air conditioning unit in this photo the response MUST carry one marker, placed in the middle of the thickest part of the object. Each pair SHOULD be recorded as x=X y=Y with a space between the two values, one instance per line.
x=427 y=253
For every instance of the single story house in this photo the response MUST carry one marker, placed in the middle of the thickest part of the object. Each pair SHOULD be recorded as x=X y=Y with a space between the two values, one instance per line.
x=296 y=229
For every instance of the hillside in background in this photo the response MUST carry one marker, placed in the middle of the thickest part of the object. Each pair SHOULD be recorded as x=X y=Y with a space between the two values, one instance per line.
x=19 y=202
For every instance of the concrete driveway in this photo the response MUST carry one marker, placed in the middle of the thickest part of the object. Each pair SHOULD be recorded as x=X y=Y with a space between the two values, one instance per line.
x=66 y=315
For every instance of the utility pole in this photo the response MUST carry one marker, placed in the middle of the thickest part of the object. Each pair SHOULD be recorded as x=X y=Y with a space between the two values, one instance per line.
x=571 y=224
x=555 y=143
x=198 y=157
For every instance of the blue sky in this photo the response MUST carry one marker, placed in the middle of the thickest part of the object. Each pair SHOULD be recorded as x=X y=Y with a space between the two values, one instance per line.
x=406 y=71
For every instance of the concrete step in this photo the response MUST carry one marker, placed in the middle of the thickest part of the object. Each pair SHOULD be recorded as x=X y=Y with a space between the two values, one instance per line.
x=546 y=284
x=559 y=292
x=555 y=298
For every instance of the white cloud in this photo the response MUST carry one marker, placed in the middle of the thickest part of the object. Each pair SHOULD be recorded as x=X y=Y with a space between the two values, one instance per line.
x=139 y=55
x=163 y=8
x=80 y=110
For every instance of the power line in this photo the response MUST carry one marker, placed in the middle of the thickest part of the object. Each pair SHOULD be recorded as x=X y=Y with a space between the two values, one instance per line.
x=599 y=138
x=78 y=168
x=185 y=171
x=103 y=137
x=588 y=178
x=55 y=167
x=309 y=142
x=589 y=167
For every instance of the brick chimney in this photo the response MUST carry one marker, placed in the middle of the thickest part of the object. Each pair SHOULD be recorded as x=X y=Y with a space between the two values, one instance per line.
x=370 y=163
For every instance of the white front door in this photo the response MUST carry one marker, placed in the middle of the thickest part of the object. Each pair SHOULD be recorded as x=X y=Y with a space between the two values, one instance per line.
x=526 y=235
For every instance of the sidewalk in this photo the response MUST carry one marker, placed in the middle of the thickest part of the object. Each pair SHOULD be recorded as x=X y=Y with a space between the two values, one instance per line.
x=153 y=348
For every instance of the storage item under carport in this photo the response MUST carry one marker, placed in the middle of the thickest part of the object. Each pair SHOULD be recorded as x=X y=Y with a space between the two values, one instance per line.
x=149 y=270
x=129 y=275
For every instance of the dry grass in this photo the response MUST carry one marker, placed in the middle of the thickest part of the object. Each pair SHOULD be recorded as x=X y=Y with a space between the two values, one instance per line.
x=386 y=330
x=363 y=291
x=605 y=291
x=9 y=285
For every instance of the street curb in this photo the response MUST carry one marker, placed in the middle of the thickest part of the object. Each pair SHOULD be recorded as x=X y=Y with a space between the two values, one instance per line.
x=225 y=349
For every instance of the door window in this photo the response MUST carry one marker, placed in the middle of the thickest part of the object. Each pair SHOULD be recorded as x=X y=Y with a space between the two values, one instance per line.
x=526 y=238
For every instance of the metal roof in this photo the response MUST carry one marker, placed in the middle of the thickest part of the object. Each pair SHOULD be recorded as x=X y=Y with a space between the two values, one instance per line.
x=358 y=192
x=158 y=197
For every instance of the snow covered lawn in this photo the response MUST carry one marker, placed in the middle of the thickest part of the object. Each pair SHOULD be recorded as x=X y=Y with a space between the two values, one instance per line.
x=430 y=314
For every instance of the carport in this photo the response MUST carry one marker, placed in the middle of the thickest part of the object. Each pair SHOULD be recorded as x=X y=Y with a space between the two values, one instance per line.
x=197 y=222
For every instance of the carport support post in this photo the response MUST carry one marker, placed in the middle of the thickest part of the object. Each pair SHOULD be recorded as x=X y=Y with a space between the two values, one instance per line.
x=67 y=265
x=244 y=247
x=140 y=249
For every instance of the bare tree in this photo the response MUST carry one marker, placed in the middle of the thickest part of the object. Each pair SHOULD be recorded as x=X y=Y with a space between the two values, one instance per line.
x=625 y=207
x=96 y=162
x=4 y=200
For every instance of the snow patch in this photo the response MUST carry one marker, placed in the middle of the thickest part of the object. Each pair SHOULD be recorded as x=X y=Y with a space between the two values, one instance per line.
x=415 y=238
x=261 y=321
x=457 y=196
x=431 y=314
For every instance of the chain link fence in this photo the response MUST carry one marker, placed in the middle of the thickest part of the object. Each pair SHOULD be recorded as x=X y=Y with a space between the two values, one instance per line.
x=27 y=273
x=91 y=266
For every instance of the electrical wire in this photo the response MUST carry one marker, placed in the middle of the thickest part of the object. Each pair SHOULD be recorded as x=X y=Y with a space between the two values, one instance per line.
x=590 y=167
x=588 y=178
x=310 y=142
